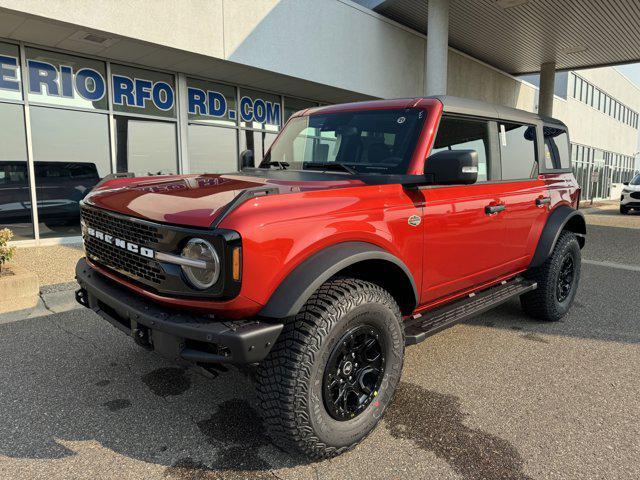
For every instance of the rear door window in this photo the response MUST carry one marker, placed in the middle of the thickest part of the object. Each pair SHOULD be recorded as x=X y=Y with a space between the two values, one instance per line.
x=517 y=151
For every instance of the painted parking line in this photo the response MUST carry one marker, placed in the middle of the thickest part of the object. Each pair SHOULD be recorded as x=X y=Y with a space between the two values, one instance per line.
x=619 y=266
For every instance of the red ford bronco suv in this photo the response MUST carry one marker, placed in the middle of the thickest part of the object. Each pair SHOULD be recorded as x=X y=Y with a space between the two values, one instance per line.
x=365 y=228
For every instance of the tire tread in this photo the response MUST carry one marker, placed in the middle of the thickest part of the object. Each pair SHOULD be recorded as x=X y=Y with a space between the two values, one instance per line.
x=281 y=384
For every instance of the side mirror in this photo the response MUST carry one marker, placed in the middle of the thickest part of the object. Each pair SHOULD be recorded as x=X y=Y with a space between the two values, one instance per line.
x=453 y=167
x=625 y=183
x=246 y=159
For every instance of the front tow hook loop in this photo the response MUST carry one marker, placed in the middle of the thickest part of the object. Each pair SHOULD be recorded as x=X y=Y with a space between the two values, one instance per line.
x=82 y=298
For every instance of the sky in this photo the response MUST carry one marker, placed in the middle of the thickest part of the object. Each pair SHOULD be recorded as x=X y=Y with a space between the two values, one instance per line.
x=632 y=71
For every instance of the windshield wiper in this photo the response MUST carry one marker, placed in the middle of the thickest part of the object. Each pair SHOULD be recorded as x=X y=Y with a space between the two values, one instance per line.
x=282 y=165
x=330 y=166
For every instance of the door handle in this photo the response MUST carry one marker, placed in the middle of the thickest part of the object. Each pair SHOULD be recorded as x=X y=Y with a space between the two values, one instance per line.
x=494 y=208
x=542 y=201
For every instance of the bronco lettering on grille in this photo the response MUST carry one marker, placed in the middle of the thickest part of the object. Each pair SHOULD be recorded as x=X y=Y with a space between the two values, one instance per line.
x=118 y=242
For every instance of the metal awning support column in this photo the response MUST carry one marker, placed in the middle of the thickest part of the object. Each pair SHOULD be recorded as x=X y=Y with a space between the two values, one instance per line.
x=547 y=88
x=437 y=47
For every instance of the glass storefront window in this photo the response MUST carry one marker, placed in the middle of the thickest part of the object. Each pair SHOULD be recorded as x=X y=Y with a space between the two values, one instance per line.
x=146 y=147
x=59 y=79
x=15 y=195
x=260 y=110
x=293 y=105
x=10 y=78
x=211 y=102
x=135 y=90
x=257 y=141
x=71 y=100
x=71 y=155
x=212 y=149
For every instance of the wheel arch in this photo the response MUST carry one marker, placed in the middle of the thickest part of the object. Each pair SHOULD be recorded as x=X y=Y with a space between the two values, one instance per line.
x=561 y=219
x=357 y=259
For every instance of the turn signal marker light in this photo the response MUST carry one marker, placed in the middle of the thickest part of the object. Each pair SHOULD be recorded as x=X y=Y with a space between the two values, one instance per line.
x=236 y=263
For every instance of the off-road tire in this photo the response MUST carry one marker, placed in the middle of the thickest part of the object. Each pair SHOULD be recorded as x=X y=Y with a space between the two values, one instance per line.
x=624 y=210
x=290 y=379
x=543 y=303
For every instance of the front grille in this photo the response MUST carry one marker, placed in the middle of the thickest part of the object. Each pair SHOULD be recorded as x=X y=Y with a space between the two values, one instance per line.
x=119 y=259
x=128 y=230
x=635 y=195
x=123 y=261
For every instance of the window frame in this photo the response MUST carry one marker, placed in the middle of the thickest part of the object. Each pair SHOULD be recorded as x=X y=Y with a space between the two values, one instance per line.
x=494 y=165
x=538 y=154
x=556 y=161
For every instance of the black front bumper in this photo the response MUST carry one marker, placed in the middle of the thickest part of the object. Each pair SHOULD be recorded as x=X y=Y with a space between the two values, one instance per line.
x=174 y=334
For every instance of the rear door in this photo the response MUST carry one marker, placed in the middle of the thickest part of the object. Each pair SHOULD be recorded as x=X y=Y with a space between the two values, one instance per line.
x=526 y=197
x=464 y=242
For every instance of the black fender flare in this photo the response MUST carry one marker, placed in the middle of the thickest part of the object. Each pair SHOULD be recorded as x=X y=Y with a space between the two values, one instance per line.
x=561 y=218
x=306 y=278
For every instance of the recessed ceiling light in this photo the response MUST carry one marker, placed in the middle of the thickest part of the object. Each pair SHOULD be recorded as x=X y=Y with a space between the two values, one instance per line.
x=96 y=40
x=92 y=37
x=576 y=49
x=511 y=3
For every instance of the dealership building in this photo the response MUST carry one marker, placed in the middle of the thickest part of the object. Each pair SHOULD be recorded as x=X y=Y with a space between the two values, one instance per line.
x=89 y=88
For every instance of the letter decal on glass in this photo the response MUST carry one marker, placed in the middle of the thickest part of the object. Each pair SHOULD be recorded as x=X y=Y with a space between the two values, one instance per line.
x=90 y=84
x=123 y=90
x=43 y=74
x=197 y=101
x=246 y=109
x=273 y=113
x=163 y=95
x=9 y=69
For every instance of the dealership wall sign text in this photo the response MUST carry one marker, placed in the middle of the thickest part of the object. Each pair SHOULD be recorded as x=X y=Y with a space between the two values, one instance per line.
x=89 y=84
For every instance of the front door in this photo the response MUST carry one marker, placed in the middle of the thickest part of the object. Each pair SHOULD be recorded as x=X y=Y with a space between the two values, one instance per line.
x=464 y=241
x=465 y=231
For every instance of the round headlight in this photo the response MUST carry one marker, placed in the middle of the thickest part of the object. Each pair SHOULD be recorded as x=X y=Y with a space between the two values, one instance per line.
x=204 y=269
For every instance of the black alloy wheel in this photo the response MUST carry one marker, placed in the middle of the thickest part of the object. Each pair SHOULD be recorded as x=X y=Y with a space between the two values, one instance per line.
x=565 y=278
x=354 y=372
x=333 y=372
x=557 y=279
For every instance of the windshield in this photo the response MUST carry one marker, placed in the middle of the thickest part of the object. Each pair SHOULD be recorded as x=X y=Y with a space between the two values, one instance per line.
x=635 y=181
x=378 y=141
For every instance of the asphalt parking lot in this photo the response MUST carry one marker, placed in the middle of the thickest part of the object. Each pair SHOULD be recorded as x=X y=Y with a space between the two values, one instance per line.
x=499 y=397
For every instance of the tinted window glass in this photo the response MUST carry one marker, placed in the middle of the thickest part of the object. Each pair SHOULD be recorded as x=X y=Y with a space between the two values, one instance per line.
x=211 y=102
x=60 y=79
x=10 y=85
x=517 y=151
x=136 y=90
x=212 y=149
x=292 y=105
x=146 y=147
x=71 y=152
x=556 y=146
x=15 y=196
x=258 y=142
x=465 y=134
x=260 y=110
x=380 y=141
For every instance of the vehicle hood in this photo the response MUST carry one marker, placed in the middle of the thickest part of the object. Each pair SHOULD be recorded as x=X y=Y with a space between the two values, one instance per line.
x=196 y=200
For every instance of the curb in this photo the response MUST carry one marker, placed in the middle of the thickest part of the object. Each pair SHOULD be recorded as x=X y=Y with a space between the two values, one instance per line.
x=19 y=290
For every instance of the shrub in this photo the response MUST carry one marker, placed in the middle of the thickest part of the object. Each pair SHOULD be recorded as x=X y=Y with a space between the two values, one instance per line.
x=6 y=252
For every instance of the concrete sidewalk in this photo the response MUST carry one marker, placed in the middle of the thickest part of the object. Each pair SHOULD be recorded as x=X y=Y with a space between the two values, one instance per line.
x=55 y=268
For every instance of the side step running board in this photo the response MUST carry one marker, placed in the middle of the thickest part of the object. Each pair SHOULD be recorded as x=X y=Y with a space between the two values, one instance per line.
x=424 y=325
